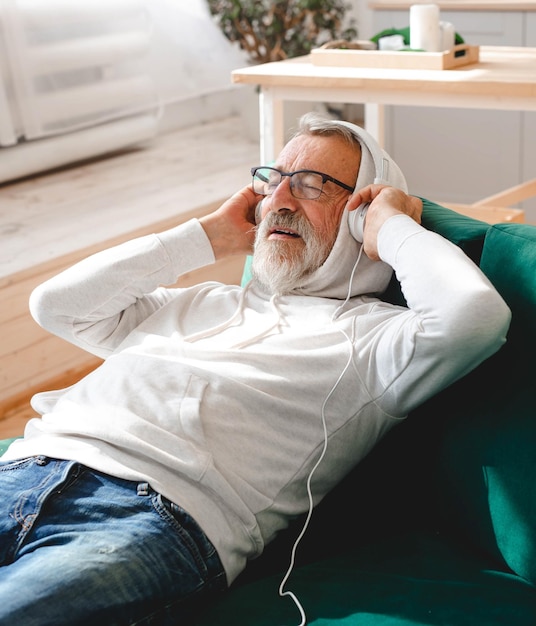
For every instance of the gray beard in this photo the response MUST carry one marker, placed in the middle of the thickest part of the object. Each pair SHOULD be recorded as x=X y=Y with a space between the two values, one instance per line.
x=277 y=266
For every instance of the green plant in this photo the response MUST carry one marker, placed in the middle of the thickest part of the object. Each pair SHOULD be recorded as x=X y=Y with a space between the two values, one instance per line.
x=276 y=30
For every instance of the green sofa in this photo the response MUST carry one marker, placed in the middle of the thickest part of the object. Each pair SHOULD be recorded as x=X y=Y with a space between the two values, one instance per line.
x=437 y=526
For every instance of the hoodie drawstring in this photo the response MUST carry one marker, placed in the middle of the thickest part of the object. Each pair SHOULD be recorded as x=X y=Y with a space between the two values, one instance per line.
x=237 y=316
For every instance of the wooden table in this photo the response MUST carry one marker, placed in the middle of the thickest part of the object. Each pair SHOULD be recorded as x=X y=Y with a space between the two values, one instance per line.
x=504 y=78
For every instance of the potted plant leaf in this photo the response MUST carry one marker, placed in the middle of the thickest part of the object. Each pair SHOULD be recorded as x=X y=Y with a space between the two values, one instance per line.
x=269 y=30
x=275 y=30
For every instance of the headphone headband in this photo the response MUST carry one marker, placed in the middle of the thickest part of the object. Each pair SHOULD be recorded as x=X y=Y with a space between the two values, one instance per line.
x=381 y=162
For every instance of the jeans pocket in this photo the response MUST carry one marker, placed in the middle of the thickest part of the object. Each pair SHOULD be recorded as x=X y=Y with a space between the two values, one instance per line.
x=201 y=549
x=173 y=513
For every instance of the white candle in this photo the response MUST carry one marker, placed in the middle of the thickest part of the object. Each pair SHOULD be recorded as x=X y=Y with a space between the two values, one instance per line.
x=424 y=27
x=448 y=35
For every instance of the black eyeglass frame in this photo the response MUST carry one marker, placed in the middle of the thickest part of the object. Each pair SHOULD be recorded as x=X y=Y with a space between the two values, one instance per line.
x=325 y=178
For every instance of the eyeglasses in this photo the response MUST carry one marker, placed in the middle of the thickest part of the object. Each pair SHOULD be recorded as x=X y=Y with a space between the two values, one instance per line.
x=304 y=184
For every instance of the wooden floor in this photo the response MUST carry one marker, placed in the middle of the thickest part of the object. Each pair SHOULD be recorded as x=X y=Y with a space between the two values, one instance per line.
x=12 y=425
x=60 y=213
x=51 y=215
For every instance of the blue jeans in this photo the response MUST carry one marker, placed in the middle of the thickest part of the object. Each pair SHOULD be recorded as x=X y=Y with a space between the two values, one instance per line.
x=80 y=547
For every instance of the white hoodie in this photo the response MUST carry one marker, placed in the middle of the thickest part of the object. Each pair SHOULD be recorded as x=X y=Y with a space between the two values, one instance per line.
x=223 y=398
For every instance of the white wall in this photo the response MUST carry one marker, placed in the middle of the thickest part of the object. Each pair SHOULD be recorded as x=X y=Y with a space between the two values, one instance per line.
x=363 y=17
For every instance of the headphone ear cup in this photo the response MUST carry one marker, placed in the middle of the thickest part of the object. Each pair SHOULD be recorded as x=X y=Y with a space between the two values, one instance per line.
x=356 y=221
x=258 y=213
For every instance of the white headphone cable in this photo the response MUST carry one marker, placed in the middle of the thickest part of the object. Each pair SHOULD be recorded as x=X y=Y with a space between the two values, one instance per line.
x=282 y=592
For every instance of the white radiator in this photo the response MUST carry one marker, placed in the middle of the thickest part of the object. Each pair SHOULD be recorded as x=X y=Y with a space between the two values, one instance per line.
x=67 y=66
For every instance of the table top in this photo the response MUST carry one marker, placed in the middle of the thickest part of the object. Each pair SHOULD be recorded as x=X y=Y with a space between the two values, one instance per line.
x=501 y=72
x=457 y=5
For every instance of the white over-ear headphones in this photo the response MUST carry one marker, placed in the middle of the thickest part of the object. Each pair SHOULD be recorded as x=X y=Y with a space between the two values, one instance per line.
x=356 y=219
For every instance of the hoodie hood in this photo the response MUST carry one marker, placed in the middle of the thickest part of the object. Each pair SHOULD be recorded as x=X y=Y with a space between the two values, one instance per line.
x=332 y=279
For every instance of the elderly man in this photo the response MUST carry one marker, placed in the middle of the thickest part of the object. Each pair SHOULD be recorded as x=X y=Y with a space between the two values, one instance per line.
x=220 y=413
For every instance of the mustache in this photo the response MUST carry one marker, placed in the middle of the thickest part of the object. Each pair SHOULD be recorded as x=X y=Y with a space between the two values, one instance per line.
x=291 y=220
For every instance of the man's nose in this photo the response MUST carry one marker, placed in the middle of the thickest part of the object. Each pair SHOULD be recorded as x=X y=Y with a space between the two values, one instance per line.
x=282 y=198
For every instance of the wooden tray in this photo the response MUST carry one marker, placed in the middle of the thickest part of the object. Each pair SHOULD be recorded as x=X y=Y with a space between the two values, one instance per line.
x=462 y=54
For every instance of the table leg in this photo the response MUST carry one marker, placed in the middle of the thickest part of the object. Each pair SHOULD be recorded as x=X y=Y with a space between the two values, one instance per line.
x=375 y=121
x=272 y=132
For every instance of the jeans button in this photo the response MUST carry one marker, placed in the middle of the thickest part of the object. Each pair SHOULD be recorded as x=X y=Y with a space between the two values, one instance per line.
x=143 y=489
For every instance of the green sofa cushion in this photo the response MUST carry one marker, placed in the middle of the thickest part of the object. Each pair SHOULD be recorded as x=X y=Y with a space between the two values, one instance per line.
x=509 y=260
x=488 y=494
x=488 y=445
x=465 y=232
x=4 y=444
x=416 y=579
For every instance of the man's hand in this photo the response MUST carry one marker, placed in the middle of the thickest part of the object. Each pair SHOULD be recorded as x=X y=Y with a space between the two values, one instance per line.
x=384 y=203
x=231 y=228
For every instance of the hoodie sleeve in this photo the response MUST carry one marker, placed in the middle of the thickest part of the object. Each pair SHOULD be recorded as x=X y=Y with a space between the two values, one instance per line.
x=97 y=302
x=456 y=318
